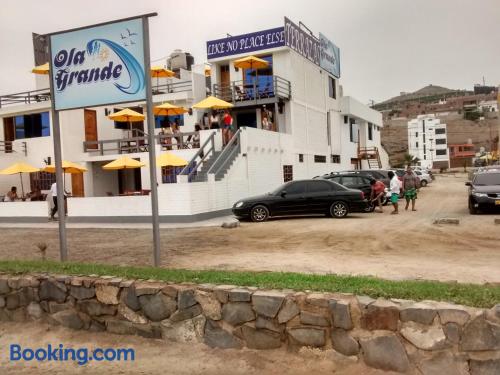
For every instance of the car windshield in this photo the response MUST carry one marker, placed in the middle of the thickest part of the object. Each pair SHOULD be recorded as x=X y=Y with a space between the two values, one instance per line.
x=487 y=179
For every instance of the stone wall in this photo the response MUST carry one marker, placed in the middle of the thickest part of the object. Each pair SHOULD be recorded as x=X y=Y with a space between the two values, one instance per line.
x=399 y=335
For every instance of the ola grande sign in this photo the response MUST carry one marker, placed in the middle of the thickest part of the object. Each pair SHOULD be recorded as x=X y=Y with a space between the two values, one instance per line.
x=98 y=65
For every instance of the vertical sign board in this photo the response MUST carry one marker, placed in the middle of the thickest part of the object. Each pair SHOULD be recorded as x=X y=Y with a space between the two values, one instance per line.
x=329 y=56
x=98 y=65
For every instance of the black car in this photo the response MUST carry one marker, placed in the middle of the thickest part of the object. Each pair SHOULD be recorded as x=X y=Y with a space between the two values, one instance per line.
x=377 y=174
x=354 y=181
x=484 y=191
x=302 y=197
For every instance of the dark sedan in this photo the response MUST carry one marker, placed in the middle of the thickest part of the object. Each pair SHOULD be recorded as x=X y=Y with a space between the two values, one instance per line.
x=304 y=197
x=484 y=191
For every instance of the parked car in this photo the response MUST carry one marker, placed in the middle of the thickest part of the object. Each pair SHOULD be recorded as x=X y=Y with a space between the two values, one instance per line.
x=378 y=174
x=423 y=177
x=354 y=181
x=484 y=191
x=302 y=197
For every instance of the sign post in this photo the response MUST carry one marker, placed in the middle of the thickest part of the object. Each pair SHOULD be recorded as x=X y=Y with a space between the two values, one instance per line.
x=100 y=65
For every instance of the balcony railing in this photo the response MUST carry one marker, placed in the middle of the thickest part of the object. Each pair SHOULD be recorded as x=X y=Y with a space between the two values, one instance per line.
x=136 y=144
x=8 y=147
x=26 y=97
x=170 y=88
x=242 y=91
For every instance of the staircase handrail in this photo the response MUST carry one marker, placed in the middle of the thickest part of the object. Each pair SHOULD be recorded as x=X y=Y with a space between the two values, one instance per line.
x=201 y=151
x=226 y=154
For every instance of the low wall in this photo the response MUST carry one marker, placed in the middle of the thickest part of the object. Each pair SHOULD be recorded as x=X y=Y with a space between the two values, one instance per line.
x=398 y=335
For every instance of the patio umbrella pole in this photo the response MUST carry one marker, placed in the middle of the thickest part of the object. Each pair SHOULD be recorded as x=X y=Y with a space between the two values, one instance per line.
x=22 y=187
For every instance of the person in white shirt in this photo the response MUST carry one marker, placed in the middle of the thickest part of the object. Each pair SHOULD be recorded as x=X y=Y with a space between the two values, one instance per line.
x=53 y=192
x=395 y=189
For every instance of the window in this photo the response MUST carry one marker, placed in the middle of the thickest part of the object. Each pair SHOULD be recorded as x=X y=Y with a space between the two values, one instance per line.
x=440 y=131
x=350 y=181
x=287 y=173
x=423 y=137
x=336 y=179
x=335 y=159
x=296 y=188
x=441 y=141
x=32 y=126
x=42 y=180
x=163 y=121
x=169 y=174
x=318 y=186
x=441 y=152
x=301 y=158
x=416 y=134
x=370 y=131
x=328 y=128
x=416 y=144
x=319 y=158
x=423 y=126
x=346 y=119
x=332 y=90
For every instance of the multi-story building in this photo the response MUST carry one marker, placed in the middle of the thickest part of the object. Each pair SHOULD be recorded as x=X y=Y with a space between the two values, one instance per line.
x=310 y=128
x=427 y=140
x=461 y=155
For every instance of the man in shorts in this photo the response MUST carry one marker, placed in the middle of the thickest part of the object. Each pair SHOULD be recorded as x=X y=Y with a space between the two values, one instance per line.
x=410 y=185
x=395 y=190
x=378 y=192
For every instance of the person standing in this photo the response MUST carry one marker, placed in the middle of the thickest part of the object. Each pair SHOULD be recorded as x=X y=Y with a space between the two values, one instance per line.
x=395 y=190
x=377 y=193
x=410 y=185
x=53 y=193
x=214 y=120
x=226 y=130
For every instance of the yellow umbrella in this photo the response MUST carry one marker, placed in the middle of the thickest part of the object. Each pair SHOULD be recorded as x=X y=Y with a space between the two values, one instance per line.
x=212 y=103
x=41 y=69
x=159 y=71
x=123 y=163
x=67 y=166
x=19 y=168
x=127 y=115
x=250 y=62
x=167 y=109
x=170 y=160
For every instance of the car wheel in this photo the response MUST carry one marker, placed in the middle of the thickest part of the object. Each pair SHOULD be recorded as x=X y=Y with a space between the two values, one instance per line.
x=259 y=213
x=423 y=183
x=369 y=208
x=339 y=210
x=472 y=209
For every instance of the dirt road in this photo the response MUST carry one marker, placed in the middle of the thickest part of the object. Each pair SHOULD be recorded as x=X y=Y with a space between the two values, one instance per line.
x=162 y=357
x=405 y=246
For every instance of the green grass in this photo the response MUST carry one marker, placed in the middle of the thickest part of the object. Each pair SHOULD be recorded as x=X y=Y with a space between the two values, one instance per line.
x=467 y=294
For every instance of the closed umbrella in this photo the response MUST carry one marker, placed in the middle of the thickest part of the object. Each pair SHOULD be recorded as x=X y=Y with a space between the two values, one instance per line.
x=124 y=162
x=19 y=168
x=41 y=69
x=127 y=115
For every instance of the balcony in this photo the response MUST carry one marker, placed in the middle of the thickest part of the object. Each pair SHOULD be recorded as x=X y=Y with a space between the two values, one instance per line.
x=172 y=88
x=9 y=147
x=26 y=97
x=242 y=93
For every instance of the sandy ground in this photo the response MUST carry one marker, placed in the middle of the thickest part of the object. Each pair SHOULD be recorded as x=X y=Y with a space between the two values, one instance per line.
x=405 y=246
x=162 y=357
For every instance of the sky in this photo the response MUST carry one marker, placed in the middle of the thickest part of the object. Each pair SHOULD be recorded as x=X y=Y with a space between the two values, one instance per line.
x=386 y=46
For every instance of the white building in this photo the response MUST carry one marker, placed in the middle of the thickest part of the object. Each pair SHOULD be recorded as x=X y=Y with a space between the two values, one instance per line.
x=427 y=140
x=314 y=130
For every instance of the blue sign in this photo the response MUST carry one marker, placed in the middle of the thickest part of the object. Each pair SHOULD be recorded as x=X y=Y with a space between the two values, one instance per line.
x=329 y=56
x=240 y=44
x=98 y=66
x=302 y=42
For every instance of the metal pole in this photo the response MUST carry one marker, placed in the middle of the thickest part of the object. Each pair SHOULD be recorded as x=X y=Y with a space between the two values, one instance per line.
x=61 y=212
x=152 y=145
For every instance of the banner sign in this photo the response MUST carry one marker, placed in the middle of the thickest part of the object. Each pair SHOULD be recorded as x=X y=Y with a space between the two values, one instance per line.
x=245 y=43
x=329 y=56
x=302 y=42
x=99 y=65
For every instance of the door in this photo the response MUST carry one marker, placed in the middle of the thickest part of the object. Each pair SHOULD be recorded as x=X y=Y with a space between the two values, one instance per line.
x=293 y=200
x=225 y=82
x=9 y=133
x=319 y=196
x=77 y=185
x=90 y=119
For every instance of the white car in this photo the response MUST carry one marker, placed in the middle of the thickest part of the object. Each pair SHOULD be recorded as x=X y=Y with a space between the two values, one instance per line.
x=424 y=177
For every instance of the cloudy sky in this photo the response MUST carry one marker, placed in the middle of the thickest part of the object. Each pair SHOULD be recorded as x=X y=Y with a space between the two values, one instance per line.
x=387 y=46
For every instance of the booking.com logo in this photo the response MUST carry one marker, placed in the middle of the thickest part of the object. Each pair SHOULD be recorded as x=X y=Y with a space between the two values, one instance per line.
x=80 y=355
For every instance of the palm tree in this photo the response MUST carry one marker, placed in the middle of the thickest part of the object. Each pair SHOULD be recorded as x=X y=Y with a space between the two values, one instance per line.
x=410 y=159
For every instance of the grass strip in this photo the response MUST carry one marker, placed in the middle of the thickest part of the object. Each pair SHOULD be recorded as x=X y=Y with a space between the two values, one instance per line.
x=475 y=295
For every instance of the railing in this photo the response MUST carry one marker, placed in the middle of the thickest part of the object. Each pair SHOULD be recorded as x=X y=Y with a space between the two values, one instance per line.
x=8 y=147
x=174 y=87
x=140 y=144
x=240 y=91
x=227 y=156
x=206 y=151
x=26 y=97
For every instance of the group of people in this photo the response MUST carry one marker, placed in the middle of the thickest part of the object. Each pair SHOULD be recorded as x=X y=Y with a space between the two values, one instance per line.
x=409 y=186
x=172 y=128
x=219 y=120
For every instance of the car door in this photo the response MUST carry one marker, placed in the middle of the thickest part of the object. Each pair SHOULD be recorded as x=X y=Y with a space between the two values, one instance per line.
x=319 y=196
x=365 y=186
x=292 y=200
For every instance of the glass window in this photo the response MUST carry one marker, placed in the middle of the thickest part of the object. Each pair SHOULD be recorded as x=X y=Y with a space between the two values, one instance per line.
x=301 y=158
x=441 y=152
x=332 y=90
x=263 y=77
x=296 y=188
x=318 y=186
x=487 y=179
x=440 y=131
x=287 y=173
x=32 y=126
x=335 y=159
x=370 y=132
x=336 y=179
x=319 y=158
x=442 y=141
x=350 y=181
x=163 y=121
